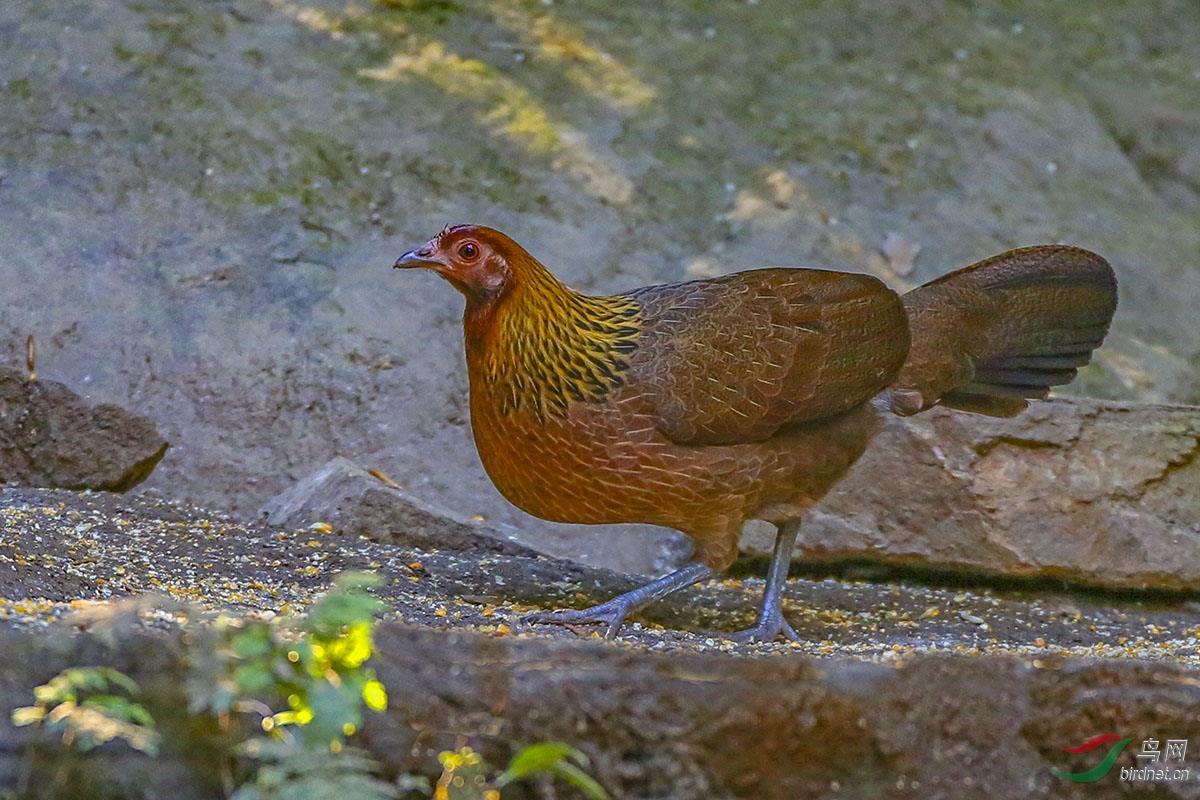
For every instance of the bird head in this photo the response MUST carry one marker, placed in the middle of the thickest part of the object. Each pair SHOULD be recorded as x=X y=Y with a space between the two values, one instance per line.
x=545 y=345
x=476 y=260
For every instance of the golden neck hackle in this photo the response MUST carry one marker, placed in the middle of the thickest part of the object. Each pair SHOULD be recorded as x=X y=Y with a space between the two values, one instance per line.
x=542 y=346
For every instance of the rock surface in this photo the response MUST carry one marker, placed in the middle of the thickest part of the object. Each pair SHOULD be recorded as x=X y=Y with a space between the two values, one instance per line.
x=355 y=502
x=687 y=727
x=1090 y=492
x=51 y=437
x=679 y=726
x=200 y=203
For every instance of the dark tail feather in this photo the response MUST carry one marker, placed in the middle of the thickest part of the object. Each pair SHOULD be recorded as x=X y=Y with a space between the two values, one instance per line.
x=993 y=335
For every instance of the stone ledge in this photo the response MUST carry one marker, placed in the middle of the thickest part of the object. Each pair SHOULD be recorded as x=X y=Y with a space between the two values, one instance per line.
x=1095 y=493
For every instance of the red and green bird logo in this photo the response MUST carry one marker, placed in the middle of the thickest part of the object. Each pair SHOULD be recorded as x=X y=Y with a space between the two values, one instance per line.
x=1100 y=770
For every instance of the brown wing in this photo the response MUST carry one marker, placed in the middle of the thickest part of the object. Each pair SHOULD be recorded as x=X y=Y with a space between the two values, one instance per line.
x=734 y=359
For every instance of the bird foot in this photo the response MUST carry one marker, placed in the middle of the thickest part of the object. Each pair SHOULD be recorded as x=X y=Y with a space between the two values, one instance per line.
x=611 y=613
x=767 y=630
x=614 y=611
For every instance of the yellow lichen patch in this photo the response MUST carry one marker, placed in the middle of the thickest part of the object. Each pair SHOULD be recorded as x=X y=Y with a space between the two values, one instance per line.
x=335 y=25
x=508 y=109
x=313 y=18
x=589 y=68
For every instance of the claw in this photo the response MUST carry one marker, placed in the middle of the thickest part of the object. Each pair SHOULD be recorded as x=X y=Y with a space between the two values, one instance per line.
x=611 y=613
x=770 y=618
x=771 y=622
x=614 y=611
x=767 y=630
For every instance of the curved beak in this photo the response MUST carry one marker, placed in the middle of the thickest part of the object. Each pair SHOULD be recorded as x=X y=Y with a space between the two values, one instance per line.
x=421 y=257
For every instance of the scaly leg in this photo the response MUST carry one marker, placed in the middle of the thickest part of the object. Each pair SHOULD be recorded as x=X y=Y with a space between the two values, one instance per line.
x=613 y=612
x=770 y=617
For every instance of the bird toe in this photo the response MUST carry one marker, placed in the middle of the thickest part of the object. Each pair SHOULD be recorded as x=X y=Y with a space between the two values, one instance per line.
x=611 y=614
x=767 y=630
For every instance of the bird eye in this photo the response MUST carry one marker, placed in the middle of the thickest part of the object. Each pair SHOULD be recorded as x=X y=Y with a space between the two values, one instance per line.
x=468 y=251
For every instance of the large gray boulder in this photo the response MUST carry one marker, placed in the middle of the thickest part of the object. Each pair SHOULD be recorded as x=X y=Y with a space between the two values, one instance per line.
x=1089 y=492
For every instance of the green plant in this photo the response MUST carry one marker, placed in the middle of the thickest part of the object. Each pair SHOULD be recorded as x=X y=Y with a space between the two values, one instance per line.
x=317 y=671
x=289 y=772
x=464 y=772
x=91 y=706
x=557 y=759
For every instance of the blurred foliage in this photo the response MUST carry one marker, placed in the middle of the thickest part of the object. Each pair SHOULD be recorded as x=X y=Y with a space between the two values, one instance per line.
x=314 y=668
x=91 y=706
x=464 y=777
x=464 y=772
x=555 y=759
x=314 y=671
x=288 y=772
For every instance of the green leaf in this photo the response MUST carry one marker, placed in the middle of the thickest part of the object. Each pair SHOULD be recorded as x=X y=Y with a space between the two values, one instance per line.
x=580 y=780
x=289 y=771
x=253 y=642
x=78 y=702
x=120 y=708
x=304 y=654
x=346 y=603
x=332 y=710
x=51 y=693
x=538 y=758
x=118 y=679
x=140 y=716
x=254 y=679
x=553 y=758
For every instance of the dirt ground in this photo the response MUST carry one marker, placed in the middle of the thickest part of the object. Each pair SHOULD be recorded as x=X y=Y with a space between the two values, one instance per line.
x=65 y=553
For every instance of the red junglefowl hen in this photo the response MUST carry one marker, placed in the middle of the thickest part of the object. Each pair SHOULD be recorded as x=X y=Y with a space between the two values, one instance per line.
x=704 y=404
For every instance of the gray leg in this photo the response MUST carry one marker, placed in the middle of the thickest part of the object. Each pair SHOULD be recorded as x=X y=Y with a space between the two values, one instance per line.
x=770 y=617
x=613 y=612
